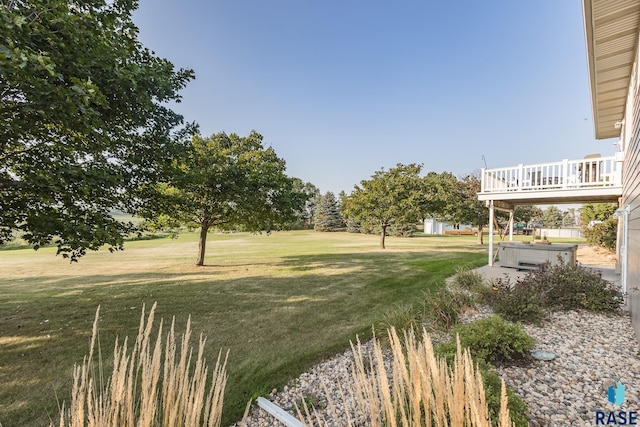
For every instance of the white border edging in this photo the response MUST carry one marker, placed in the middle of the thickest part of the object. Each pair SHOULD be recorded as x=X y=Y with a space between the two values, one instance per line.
x=279 y=413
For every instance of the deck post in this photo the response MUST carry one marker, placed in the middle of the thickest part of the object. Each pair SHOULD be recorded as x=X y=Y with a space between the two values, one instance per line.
x=511 y=225
x=520 y=176
x=491 y=216
x=565 y=172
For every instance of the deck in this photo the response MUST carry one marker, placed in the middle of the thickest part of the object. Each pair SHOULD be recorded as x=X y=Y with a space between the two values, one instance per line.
x=593 y=179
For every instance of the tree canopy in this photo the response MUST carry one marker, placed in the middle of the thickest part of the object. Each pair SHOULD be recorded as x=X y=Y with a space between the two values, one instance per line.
x=391 y=197
x=468 y=209
x=596 y=212
x=86 y=127
x=304 y=216
x=229 y=181
x=552 y=217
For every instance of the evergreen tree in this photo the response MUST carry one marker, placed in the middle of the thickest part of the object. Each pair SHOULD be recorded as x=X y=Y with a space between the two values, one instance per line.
x=327 y=213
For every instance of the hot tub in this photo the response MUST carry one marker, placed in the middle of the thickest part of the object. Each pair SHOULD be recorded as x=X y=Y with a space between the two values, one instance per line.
x=531 y=256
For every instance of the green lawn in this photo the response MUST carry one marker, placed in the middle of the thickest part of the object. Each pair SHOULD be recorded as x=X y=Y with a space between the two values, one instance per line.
x=279 y=303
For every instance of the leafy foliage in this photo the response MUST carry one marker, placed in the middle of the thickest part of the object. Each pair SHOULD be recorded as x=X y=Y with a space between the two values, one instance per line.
x=574 y=287
x=492 y=340
x=523 y=301
x=227 y=181
x=393 y=197
x=552 y=217
x=446 y=197
x=85 y=121
x=527 y=214
x=469 y=208
x=560 y=287
x=604 y=235
x=492 y=388
x=353 y=226
x=596 y=212
x=304 y=216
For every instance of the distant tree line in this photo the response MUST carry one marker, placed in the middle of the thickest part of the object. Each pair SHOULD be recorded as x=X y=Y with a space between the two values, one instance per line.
x=87 y=130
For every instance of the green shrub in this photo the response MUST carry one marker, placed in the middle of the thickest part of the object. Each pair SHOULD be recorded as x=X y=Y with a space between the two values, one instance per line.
x=523 y=301
x=603 y=234
x=469 y=279
x=492 y=385
x=442 y=308
x=559 y=287
x=569 y=287
x=492 y=340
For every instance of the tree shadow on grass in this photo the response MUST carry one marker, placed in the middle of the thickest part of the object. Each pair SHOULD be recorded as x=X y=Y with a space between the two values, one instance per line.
x=275 y=325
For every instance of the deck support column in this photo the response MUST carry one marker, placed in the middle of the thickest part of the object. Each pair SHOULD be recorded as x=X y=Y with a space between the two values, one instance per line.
x=511 y=225
x=491 y=218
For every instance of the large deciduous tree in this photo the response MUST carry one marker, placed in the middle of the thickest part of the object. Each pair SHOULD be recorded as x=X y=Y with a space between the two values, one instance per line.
x=304 y=217
x=468 y=207
x=228 y=181
x=85 y=122
x=444 y=195
x=552 y=217
x=596 y=212
x=527 y=214
x=391 y=197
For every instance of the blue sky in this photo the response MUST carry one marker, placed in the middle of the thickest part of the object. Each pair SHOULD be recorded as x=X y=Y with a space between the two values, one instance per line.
x=341 y=89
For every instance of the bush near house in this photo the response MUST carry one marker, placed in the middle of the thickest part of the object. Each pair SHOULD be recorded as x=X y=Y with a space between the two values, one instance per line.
x=560 y=287
x=492 y=340
x=604 y=234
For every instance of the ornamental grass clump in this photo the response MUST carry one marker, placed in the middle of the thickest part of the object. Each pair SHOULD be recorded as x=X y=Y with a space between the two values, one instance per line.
x=469 y=279
x=442 y=308
x=151 y=384
x=414 y=389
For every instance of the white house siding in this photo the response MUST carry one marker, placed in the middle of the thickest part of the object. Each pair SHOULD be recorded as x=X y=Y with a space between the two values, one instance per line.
x=631 y=193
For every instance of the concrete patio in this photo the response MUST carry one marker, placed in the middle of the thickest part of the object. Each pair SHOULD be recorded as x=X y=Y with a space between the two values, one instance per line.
x=587 y=257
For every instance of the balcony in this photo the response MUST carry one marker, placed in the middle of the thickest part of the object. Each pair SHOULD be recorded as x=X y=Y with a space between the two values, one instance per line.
x=594 y=179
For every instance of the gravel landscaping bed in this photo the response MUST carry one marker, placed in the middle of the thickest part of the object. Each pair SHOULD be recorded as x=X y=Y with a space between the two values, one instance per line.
x=593 y=351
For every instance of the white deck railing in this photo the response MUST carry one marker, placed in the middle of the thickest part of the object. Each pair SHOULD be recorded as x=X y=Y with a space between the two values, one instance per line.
x=568 y=174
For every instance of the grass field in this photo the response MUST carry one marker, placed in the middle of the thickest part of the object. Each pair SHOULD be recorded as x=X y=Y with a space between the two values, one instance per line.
x=279 y=303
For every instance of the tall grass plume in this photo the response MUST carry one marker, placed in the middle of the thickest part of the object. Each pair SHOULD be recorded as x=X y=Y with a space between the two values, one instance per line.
x=415 y=388
x=151 y=384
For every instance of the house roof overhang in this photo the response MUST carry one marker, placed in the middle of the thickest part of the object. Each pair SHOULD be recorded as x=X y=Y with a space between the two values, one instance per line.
x=611 y=34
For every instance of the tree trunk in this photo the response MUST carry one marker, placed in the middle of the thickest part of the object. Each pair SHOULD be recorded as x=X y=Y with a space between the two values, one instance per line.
x=202 y=244
x=382 y=236
x=480 y=241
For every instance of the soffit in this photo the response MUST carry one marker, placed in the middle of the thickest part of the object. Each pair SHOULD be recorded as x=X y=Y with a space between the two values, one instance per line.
x=611 y=32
